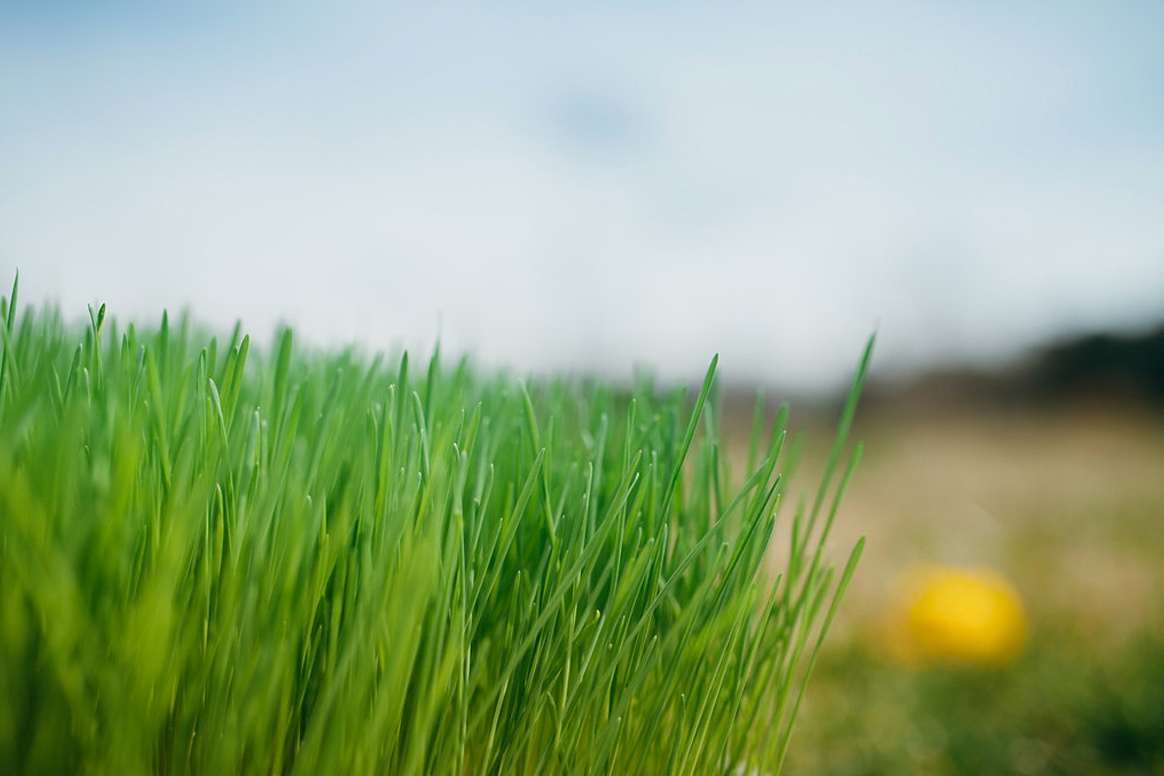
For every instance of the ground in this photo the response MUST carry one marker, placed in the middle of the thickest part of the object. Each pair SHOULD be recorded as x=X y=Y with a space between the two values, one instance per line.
x=1067 y=502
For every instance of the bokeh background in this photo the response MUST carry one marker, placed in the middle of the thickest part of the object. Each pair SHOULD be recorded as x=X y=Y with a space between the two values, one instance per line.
x=599 y=187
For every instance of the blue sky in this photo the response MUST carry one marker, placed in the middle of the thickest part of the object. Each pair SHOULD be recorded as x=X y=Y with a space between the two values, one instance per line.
x=592 y=186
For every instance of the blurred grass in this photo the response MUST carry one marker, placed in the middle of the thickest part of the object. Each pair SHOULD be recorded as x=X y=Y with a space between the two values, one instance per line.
x=1065 y=501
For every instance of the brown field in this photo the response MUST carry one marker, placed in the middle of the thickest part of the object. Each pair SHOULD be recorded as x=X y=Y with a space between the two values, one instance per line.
x=1066 y=502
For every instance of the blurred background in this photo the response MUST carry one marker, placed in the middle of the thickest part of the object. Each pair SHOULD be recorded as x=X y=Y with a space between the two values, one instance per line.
x=600 y=187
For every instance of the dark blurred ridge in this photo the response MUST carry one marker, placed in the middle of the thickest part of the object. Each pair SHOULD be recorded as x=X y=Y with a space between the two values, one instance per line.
x=1099 y=368
x=1102 y=367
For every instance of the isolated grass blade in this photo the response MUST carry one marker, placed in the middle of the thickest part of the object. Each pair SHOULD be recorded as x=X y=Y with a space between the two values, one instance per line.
x=846 y=422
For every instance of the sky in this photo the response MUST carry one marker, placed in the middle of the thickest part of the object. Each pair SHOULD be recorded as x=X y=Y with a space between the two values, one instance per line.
x=595 y=187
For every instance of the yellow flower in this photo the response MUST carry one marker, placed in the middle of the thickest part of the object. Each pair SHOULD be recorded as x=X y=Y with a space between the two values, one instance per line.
x=957 y=615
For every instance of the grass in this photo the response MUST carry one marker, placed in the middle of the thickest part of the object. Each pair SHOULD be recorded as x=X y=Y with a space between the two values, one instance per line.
x=216 y=561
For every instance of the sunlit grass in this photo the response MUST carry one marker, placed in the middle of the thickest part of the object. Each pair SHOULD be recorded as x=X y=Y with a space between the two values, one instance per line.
x=222 y=562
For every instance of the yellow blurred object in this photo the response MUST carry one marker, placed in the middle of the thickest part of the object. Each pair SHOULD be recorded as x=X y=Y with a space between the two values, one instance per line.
x=957 y=615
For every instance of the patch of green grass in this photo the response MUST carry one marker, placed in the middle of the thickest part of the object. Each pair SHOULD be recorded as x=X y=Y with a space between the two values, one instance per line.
x=216 y=561
x=1058 y=710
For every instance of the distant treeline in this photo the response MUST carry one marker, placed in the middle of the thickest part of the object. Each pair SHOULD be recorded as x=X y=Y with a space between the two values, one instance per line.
x=1101 y=365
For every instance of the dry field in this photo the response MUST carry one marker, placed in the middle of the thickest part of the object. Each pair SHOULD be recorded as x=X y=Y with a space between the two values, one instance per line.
x=1068 y=504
